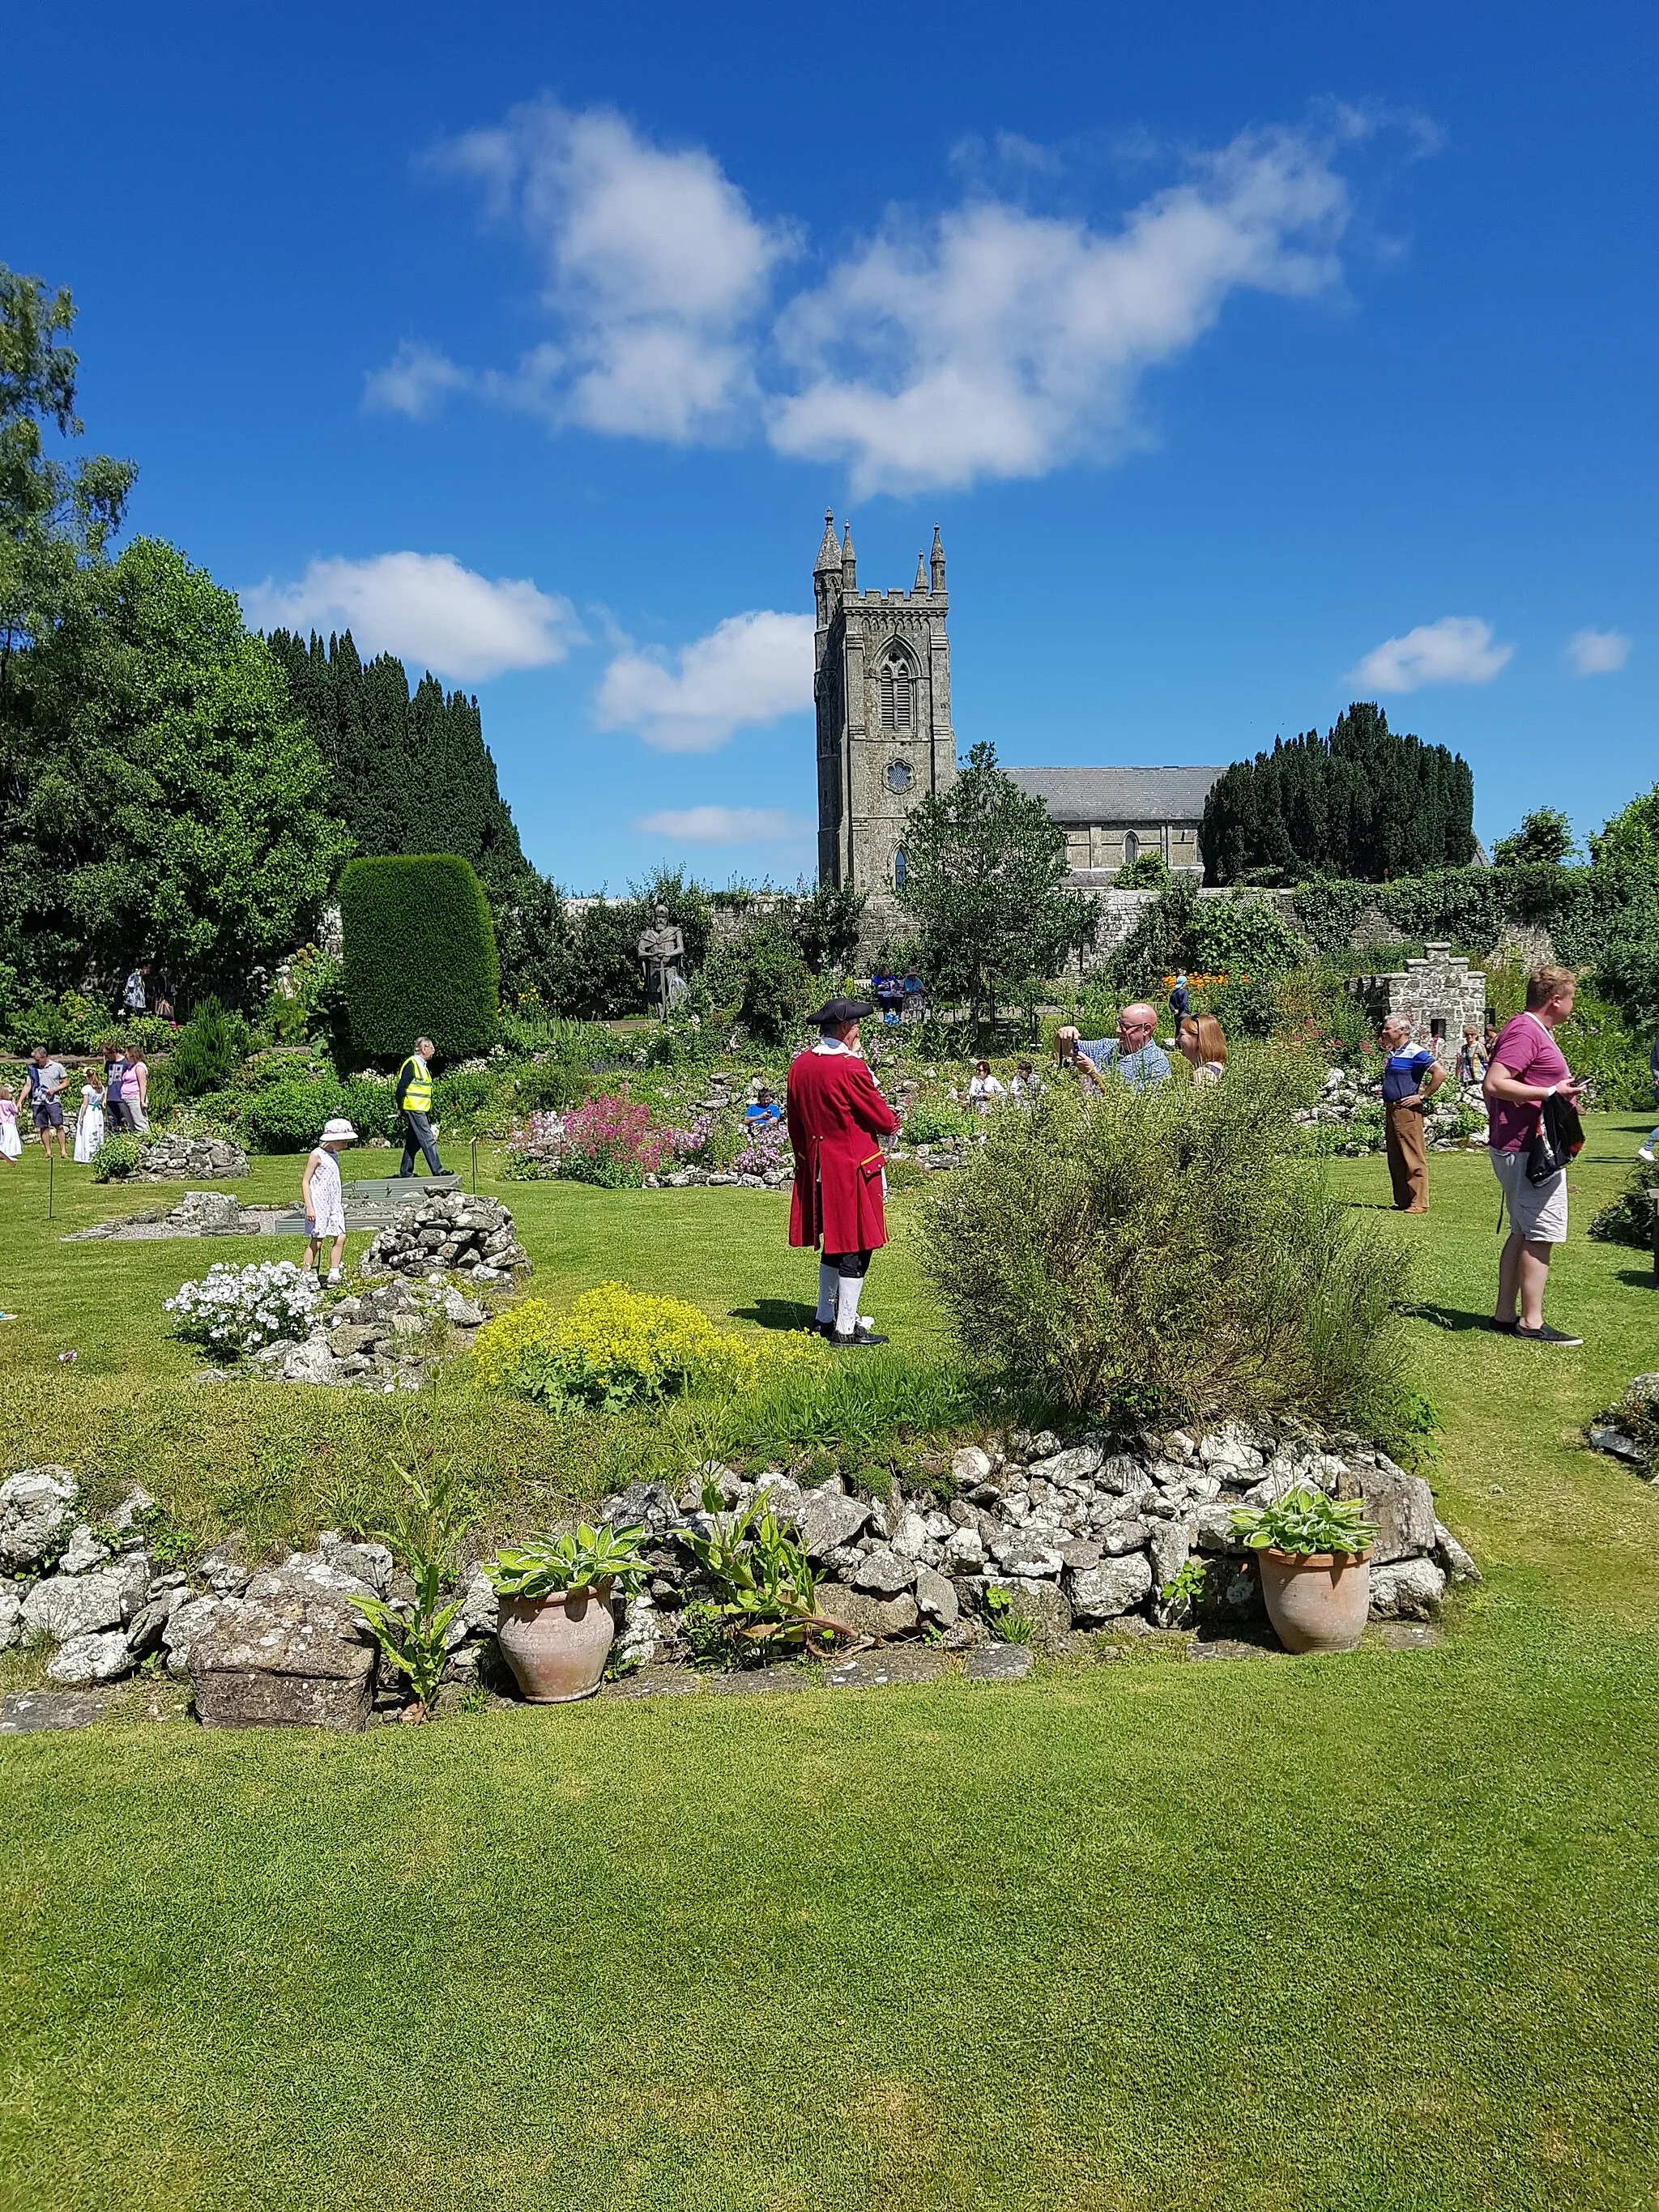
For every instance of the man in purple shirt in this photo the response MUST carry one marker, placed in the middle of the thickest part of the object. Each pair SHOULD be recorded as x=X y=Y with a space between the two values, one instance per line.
x=1526 y=1067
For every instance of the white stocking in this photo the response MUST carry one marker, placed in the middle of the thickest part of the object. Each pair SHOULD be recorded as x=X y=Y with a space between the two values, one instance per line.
x=846 y=1310
x=828 y=1282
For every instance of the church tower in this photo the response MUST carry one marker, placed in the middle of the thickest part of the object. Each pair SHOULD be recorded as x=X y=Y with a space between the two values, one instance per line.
x=883 y=690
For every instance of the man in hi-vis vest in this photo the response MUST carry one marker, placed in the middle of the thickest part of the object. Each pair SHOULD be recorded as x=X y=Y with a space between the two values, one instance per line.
x=415 y=1101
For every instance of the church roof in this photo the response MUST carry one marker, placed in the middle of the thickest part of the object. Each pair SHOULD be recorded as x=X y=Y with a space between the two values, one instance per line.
x=1129 y=795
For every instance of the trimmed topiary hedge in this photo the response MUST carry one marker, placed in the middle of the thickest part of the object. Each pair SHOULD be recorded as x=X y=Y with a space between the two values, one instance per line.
x=420 y=955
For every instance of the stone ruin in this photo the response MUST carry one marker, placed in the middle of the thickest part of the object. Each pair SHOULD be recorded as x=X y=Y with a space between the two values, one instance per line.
x=171 y=1158
x=1439 y=995
x=451 y=1231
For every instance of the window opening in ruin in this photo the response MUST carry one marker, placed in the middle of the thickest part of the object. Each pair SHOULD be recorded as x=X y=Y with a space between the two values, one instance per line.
x=898 y=869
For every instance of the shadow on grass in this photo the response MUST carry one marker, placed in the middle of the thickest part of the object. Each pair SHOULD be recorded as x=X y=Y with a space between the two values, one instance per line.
x=1447 y=1317
x=1644 y=1278
x=777 y=1313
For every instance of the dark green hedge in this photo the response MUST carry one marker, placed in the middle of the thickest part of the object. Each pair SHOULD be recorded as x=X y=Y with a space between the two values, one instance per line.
x=420 y=955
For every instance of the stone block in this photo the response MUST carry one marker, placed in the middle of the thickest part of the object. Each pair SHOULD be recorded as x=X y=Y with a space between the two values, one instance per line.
x=36 y=1506
x=864 y=1613
x=84 y=1659
x=1406 y=1590
x=1114 y=1586
x=1402 y=1506
x=276 y=1663
x=936 y=1598
x=884 y=1572
x=67 y=1606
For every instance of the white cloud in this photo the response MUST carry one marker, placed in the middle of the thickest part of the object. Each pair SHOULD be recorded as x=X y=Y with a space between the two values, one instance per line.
x=1456 y=649
x=1597 y=652
x=986 y=341
x=1002 y=343
x=424 y=607
x=752 y=668
x=654 y=264
x=727 y=825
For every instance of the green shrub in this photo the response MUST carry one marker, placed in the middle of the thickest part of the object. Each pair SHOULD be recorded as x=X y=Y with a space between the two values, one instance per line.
x=1600 y=1048
x=470 y=1102
x=932 y=1119
x=1176 y=1248
x=1147 y=872
x=371 y=1108
x=1244 y=937
x=549 y=1086
x=211 y=1045
x=420 y=955
x=289 y=1116
x=1629 y=1219
x=759 y=978
x=116 y=1158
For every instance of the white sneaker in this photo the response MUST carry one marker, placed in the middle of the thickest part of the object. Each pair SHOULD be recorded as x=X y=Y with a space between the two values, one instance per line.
x=333 y=1276
x=1645 y=1152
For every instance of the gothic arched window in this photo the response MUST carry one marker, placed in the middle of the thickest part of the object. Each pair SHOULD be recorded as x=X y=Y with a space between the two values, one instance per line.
x=898 y=869
x=898 y=693
x=1131 y=848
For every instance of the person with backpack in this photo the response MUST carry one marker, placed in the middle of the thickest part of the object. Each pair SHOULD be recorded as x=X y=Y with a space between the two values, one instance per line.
x=1527 y=1069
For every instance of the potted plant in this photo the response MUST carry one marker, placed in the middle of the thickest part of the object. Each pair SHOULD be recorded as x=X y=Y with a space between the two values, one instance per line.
x=556 y=1626
x=1314 y=1552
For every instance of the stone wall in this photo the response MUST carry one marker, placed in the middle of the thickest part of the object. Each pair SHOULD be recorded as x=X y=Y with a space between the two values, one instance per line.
x=1438 y=995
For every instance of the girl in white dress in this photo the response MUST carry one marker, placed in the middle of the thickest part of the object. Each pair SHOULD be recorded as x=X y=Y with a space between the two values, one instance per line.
x=90 y=1123
x=323 y=1199
x=11 y=1145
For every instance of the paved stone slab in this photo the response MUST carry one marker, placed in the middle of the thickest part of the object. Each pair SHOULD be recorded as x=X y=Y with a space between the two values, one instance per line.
x=26 y=1710
x=759 y=1681
x=875 y=1670
x=1406 y=1635
x=655 y=1682
x=1000 y=1663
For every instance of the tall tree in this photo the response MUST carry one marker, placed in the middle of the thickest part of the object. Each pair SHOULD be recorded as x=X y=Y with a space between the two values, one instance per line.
x=984 y=877
x=1362 y=801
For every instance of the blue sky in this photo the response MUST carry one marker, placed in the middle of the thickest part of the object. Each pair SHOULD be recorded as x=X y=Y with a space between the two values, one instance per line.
x=1250 y=360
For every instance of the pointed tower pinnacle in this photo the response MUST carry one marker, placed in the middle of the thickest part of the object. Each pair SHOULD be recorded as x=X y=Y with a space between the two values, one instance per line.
x=829 y=552
x=921 y=583
x=849 y=564
x=937 y=562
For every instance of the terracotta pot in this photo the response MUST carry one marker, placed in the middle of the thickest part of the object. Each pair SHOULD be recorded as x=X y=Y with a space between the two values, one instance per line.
x=557 y=1646
x=1319 y=1603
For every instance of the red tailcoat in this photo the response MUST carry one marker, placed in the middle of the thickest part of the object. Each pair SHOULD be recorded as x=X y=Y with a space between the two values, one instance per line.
x=836 y=1115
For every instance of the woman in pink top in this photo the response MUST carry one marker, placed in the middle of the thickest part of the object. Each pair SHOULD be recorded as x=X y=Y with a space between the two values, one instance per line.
x=1526 y=1067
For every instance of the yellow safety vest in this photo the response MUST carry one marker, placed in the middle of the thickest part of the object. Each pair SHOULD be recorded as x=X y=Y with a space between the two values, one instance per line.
x=417 y=1099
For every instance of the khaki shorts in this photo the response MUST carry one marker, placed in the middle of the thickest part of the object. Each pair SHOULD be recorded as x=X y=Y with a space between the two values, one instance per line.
x=1538 y=1210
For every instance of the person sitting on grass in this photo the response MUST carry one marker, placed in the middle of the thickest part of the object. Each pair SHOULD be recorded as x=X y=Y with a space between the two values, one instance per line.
x=762 y=1110
x=1027 y=1084
x=983 y=1088
x=323 y=1198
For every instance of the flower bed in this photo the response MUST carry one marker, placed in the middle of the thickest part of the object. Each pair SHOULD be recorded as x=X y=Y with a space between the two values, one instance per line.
x=240 y=1310
x=616 y=1345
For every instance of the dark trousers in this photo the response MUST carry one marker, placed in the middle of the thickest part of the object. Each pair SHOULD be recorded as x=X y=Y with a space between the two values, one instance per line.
x=116 y=1117
x=418 y=1130
x=849 y=1263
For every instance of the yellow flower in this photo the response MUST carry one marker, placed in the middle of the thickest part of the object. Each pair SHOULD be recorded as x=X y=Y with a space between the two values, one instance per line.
x=616 y=1345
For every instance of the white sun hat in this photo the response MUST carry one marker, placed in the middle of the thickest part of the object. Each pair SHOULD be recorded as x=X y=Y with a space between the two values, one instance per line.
x=337 y=1131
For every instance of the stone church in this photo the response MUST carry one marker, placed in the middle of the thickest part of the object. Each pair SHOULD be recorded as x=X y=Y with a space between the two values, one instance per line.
x=882 y=684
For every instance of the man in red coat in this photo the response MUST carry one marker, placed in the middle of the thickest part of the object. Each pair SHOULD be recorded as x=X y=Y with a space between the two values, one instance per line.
x=837 y=1117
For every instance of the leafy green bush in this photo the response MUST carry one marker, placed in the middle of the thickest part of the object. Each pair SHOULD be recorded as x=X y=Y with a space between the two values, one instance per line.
x=1177 y=1249
x=1629 y=1219
x=549 y=1086
x=116 y=1158
x=1248 y=936
x=760 y=979
x=1147 y=872
x=371 y=1108
x=580 y=1558
x=470 y=1102
x=1600 y=1048
x=211 y=1045
x=289 y=1116
x=930 y=1120
x=420 y=955
x=1304 y=1523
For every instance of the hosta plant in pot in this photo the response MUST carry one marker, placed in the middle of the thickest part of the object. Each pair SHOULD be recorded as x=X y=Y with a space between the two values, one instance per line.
x=1314 y=1553
x=556 y=1626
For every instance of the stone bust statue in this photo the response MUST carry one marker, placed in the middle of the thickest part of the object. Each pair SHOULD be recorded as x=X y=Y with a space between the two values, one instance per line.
x=662 y=956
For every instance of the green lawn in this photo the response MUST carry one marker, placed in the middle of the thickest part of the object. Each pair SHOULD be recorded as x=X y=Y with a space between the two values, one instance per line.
x=1369 y=1933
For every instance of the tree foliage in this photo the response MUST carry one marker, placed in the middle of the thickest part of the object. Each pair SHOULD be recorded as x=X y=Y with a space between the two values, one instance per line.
x=159 y=798
x=1544 y=840
x=984 y=886
x=1364 y=801
x=420 y=955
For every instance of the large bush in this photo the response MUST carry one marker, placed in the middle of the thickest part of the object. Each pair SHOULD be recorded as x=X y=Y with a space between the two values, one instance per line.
x=759 y=978
x=1173 y=1252
x=420 y=955
x=207 y=1051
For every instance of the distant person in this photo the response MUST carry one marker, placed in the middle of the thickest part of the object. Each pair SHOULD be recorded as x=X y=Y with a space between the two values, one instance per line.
x=1472 y=1058
x=414 y=1097
x=910 y=986
x=1027 y=1084
x=1131 y=1054
x=90 y=1123
x=762 y=1110
x=1650 y=1151
x=1181 y=1004
x=1526 y=1067
x=983 y=1088
x=138 y=1089
x=1490 y=1039
x=323 y=1198
x=134 y=998
x=116 y=1069
x=48 y=1080
x=1410 y=1080
x=890 y=997
x=1203 y=1047
x=11 y=1145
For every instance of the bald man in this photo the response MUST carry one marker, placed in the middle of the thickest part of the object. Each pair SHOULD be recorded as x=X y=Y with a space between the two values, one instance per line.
x=1131 y=1053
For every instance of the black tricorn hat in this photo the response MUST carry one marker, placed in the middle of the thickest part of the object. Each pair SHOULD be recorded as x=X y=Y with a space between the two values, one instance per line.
x=835 y=1011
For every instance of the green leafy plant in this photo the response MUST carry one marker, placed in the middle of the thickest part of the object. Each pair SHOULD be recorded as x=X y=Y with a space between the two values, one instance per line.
x=763 y=1585
x=931 y=1120
x=1011 y=1627
x=582 y=1559
x=1187 y=1589
x=422 y=1534
x=210 y=1047
x=116 y=1158
x=1305 y=1521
